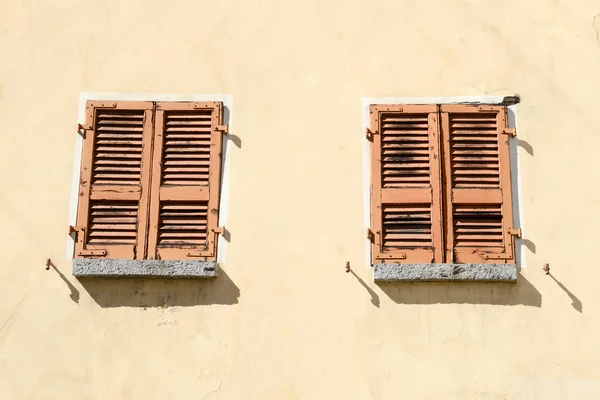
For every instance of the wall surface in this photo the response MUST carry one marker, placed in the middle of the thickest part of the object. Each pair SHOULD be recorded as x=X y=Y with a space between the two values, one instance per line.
x=284 y=321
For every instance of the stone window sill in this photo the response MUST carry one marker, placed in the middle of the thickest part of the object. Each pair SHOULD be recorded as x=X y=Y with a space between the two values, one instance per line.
x=445 y=272
x=95 y=267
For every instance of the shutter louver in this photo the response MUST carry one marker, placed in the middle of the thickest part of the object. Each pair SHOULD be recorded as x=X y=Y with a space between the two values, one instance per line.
x=185 y=181
x=406 y=184
x=182 y=224
x=115 y=173
x=478 y=197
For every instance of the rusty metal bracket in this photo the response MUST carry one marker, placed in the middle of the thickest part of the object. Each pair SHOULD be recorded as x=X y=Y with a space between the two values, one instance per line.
x=509 y=131
x=516 y=232
x=223 y=128
x=486 y=108
x=369 y=134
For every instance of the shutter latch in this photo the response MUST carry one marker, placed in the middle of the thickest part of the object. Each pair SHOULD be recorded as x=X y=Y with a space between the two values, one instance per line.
x=222 y=128
x=219 y=230
x=369 y=134
x=515 y=232
x=509 y=131
x=81 y=240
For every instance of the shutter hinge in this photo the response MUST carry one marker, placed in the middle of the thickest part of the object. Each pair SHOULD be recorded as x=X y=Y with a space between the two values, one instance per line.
x=81 y=240
x=82 y=128
x=498 y=256
x=370 y=235
x=509 y=131
x=515 y=232
x=222 y=128
x=369 y=134
x=399 y=256
x=195 y=253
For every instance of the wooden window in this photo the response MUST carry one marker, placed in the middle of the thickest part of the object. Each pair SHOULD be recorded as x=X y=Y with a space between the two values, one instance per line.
x=440 y=184
x=150 y=180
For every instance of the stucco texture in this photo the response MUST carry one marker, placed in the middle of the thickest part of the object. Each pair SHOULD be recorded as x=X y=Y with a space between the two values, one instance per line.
x=283 y=320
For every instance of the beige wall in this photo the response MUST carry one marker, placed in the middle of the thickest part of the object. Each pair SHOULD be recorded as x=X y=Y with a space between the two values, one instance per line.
x=284 y=321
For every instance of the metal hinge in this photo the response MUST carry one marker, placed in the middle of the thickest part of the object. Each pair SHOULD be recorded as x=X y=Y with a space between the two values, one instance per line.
x=82 y=128
x=195 y=253
x=370 y=235
x=222 y=128
x=399 y=256
x=107 y=105
x=369 y=134
x=499 y=256
x=515 y=232
x=509 y=131
x=81 y=240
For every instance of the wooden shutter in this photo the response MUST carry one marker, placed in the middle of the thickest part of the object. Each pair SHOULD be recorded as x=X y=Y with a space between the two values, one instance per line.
x=186 y=181
x=405 y=184
x=115 y=175
x=478 y=196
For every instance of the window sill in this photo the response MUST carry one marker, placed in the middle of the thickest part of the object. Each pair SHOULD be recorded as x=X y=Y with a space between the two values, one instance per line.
x=95 y=267
x=445 y=272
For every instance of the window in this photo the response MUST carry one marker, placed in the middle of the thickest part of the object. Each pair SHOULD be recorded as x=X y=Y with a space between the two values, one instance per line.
x=441 y=185
x=150 y=181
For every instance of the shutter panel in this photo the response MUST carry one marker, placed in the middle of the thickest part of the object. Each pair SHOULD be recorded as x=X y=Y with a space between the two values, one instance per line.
x=115 y=176
x=186 y=181
x=479 y=214
x=406 y=208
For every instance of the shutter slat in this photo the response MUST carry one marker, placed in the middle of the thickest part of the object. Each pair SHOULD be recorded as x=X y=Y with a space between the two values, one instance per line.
x=187 y=136
x=119 y=135
x=189 y=214
x=110 y=232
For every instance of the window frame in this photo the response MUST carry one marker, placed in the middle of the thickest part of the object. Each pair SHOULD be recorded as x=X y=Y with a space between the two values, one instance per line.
x=368 y=102
x=227 y=101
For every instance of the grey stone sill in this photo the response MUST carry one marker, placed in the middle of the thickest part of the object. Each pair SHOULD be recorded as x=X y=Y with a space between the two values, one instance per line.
x=96 y=267
x=445 y=272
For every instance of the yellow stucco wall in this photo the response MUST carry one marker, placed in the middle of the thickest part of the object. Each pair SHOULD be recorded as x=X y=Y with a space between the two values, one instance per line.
x=284 y=321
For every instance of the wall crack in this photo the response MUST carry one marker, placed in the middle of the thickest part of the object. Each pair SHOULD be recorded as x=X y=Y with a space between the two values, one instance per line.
x=219 y=386
x=597 y=29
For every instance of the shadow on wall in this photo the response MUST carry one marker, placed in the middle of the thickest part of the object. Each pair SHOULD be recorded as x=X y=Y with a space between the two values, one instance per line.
x=505 y=294
x=74 y=292
x=159 y=292
x=575 y=302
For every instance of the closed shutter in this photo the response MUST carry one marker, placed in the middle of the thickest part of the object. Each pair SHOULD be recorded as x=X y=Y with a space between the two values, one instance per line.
x=478 y=205
x=186 y=181
x=115 y=175
x=406 y=209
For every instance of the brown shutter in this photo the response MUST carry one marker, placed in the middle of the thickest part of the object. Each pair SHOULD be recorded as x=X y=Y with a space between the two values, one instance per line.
x=186 y=181
x=115 y=175
x=406 y=184
x=478 y=207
